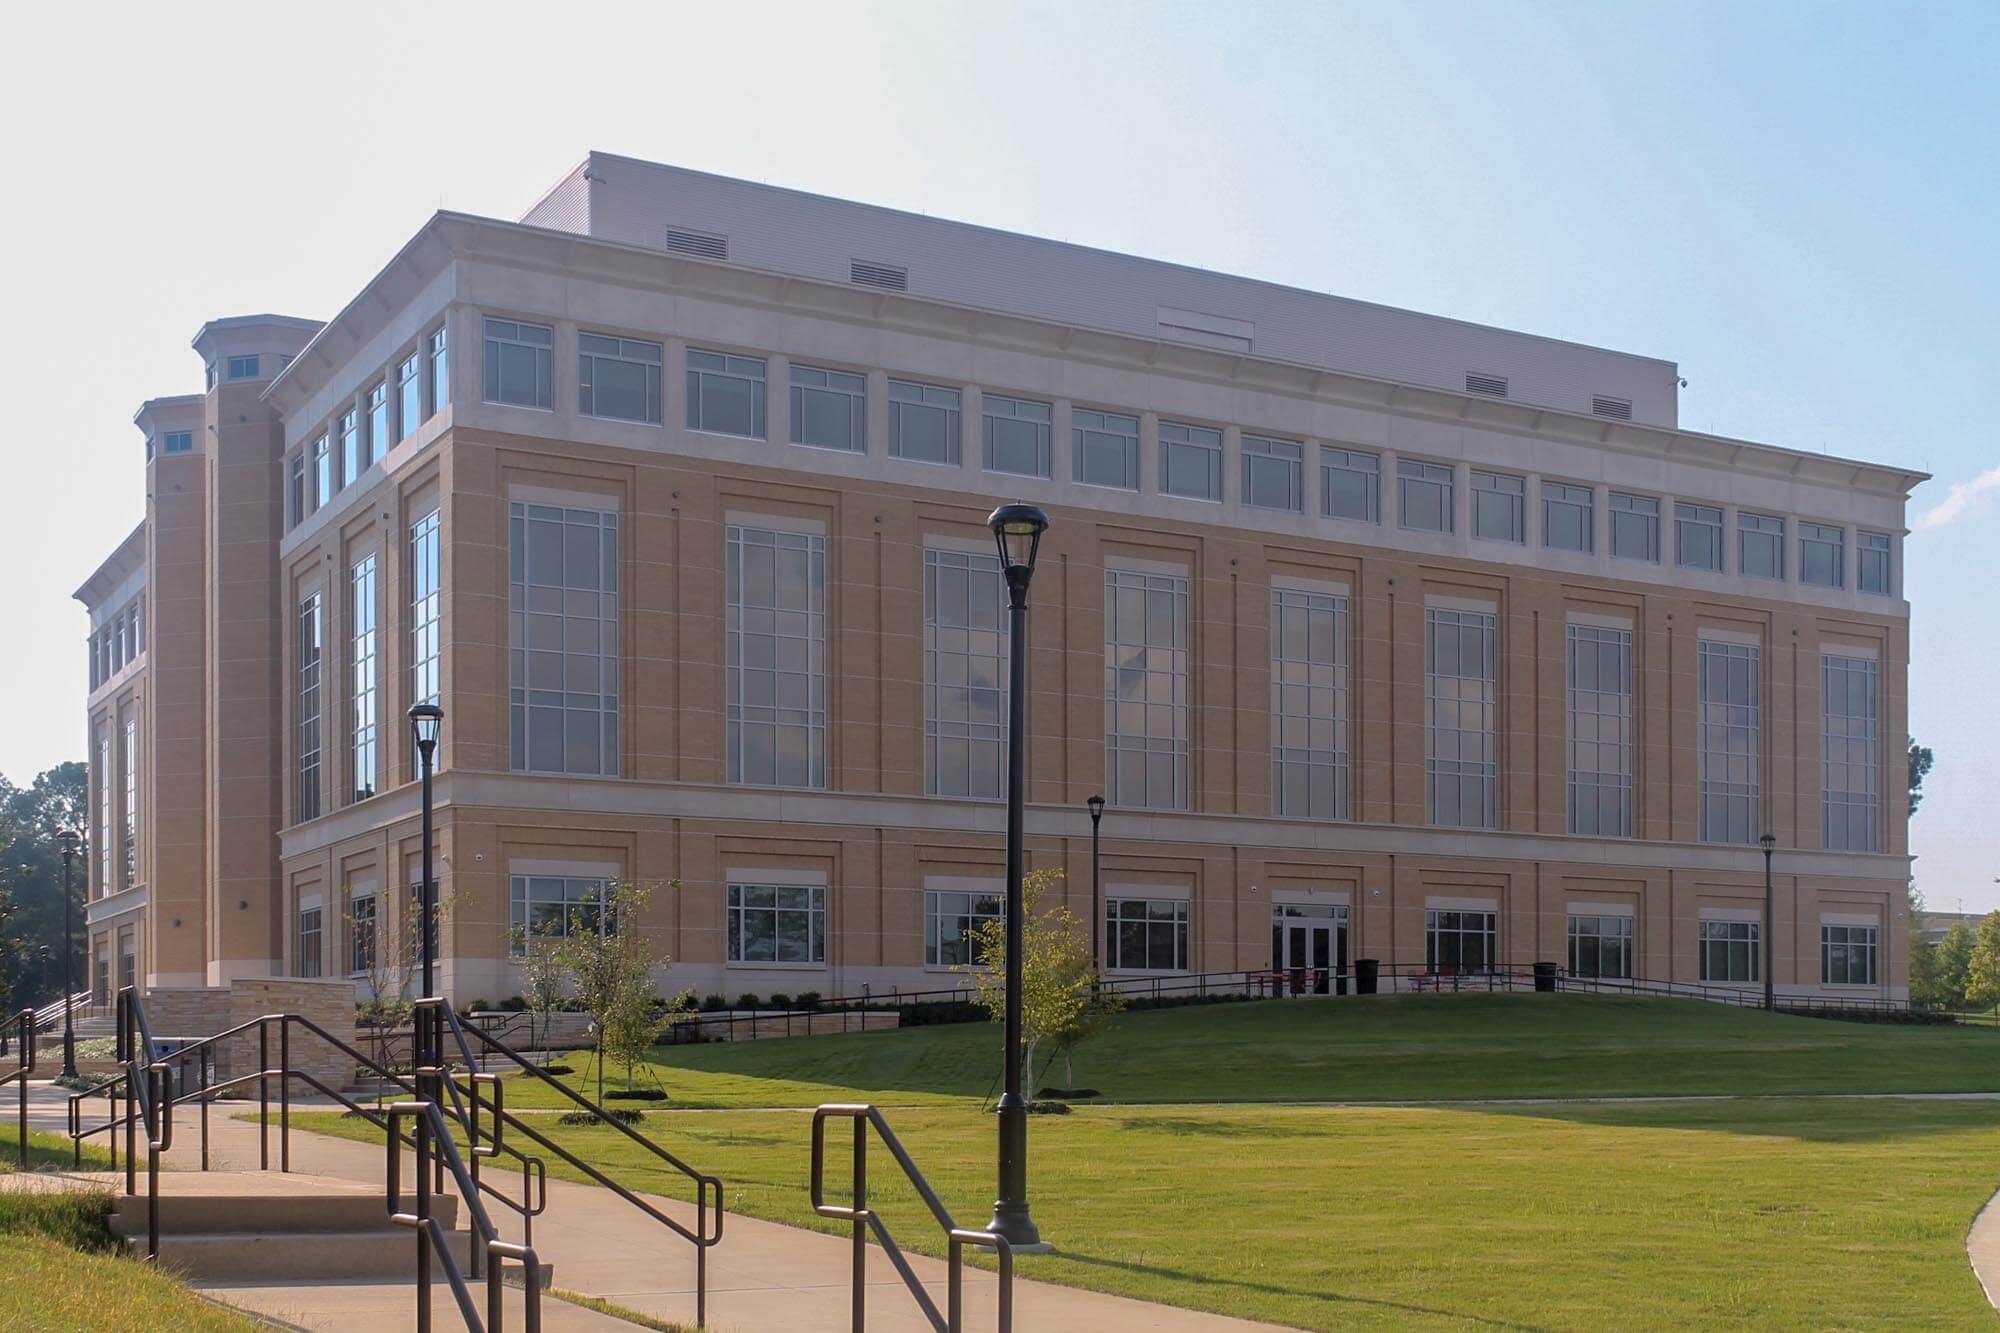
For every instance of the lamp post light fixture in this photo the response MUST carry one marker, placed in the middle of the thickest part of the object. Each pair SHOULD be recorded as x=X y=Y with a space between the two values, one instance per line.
x=67 y=840
x=1769 y=844
x=1096 y=804
x=425 y=721
x=1018 y=529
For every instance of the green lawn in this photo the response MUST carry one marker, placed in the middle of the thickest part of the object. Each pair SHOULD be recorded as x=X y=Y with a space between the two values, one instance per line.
x=1402 y=1048
x=1768 y=1212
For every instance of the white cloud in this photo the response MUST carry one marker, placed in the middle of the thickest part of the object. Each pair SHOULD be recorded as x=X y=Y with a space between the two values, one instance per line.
x=1959 y=499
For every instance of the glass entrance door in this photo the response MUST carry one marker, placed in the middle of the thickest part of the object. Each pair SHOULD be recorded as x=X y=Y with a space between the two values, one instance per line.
x=1311 y=960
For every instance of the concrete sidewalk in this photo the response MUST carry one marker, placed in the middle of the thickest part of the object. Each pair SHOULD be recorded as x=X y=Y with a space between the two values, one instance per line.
x=762 y=1278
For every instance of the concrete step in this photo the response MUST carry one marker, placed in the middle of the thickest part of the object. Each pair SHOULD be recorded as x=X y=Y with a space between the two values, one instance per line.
x=329 y=1211
x=388 y=1252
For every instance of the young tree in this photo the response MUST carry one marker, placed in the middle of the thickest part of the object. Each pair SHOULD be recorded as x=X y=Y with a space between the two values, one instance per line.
x=545 y=982
x=1061 y=1004
x=1921 y=759
x=611 y=961
x=1953 y=965
x=1983 y=973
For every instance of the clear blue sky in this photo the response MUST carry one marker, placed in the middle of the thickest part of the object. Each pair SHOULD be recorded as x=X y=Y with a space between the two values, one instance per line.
x=1795 y=201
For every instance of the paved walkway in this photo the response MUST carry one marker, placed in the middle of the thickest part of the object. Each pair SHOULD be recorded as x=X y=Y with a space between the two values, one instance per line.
x=762 y=1278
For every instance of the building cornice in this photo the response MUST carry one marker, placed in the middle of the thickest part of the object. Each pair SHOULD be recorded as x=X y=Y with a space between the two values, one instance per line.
x=569 y=797
x=121 y=564
x=448 y=236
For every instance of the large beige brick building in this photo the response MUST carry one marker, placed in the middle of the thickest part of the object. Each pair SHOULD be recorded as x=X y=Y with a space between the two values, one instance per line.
x=1440 y=644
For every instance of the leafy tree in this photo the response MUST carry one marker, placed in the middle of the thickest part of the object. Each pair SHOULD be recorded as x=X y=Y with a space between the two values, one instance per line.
x=32 y=818
x=545 y=981
x=1983 y=973
x=1920 y=767
x=1952 y=966
x=1061 y=1003
x=610 y=961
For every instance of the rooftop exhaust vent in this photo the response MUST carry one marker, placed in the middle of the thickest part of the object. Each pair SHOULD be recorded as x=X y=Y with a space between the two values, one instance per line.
x=1493 y=386
x=701 y=244
x=889 y=277
x=1617 y=408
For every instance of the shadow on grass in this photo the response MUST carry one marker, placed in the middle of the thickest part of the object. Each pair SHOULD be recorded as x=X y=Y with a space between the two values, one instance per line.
x=1805 y=1119
x=1290 y=1293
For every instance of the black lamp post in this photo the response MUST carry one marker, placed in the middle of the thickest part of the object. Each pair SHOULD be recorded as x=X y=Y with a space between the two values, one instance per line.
x=425 y=719
x=1769 y=844
x=67 y=839
x=1018 y=529
x=1096 y=804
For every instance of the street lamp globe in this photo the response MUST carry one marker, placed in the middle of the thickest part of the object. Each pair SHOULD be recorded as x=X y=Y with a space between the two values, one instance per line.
x=1018 y=529
x=425 y=720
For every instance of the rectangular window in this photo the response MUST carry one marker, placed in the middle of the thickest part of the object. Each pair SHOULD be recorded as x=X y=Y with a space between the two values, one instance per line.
x=1105 y=449
x=378 y=422
x=310 y=940
x=965 y=675
x=242 y=367
x=1847 y=955
x=130 y=759
x=923 y=423
x=1350 y=484
x=829 y=409
x=1273 y=473
x=562 y=639
x=307 y=805
x=1600 y=946
x=1461 y=765
x=1456 y=943
x=520 y=363
x=1760 y=545
x=618 y=378
x=775 y=632
x=426 y=610
x=361 y=621
x=1871 y=572
x=1015 y=432
x=1635 y=528
x=1568 y=523
x=1731 y=950
x=776 y=923
x=439 y=356
x=1146 y=689
x=725 y=394
x=1697 y=537
x=107 y=881
x=352 y=460
x=1146 y=934
x=1848 y=748
x=322 y=471
x=1190 y=461
x=1600 y=731
x=1424 y=500
x=1731 y=728
x=1822 y=555
x=553 y=907
x=178 y=442
x=361 y=934
x=298 y=488
x=1499 y=507
x=1309 y=771
x=409 y=396
x=950 y=919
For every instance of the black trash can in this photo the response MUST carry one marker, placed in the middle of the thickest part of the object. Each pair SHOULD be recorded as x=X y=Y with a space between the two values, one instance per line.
x=1366 y=972
x=1545 y=978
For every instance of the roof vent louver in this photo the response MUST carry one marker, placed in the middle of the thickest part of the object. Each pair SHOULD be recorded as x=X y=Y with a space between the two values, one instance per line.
x=1493 y=386
x=889 y=277
x=701 y=244
x=1618 y=408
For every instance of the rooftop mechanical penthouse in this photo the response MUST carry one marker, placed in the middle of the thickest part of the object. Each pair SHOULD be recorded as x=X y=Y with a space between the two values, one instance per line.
x=1383 y=635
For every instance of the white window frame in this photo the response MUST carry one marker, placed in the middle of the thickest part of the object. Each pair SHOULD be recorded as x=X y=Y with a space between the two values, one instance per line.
x=1737 y=941
x=965 y=675
x=551 y=681
x=738 y=906
x=1850 y=753
x=965 y=909
x=1309 y=705
x=1179 y=439
x=597 y=351
x=1627 y=509
x=310 y=625
x=1002 y=414
x=1600 y=728
x=1509 y=506
x=907 y=396
x=1731 y=740
x=1357 y=463
x=1446 y=929
x=426 y=641
x=1268 y=456
x=1689 y=519
x=1874 y=551
x=582 y=903
x=363 y=630
x=537 y=342
x=1561 y=497
x=796 y=698
x=1598 y=928
x=1825 y=541
x=1440 y=479
x=1096 y=436
x=1118 y=912
x=1460 y=758
x=845 y=391
x=1146 y=694
x=409 y=395
x=1849 y=943
x=1765 y=535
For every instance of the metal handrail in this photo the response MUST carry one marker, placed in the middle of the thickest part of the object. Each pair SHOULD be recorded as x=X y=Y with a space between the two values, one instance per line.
x=701 y=1237
x=51 y=1013
x=19 y=1077
x=866 y=1219
x=434 y=1142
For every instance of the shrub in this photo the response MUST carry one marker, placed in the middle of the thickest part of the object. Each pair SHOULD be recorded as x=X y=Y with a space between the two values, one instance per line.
x=1047 y=1108
x=748 y=1001
x=780 y=1000
x=557 y=1071
x=624 y=1115
x=711 y=1003
x=807 y=1000
x=514 y=1004
x=635 y=1095
x=478 y=1007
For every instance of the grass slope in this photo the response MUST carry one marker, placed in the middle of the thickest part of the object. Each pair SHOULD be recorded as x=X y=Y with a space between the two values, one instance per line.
x=1400 y=1048
x=1683 y=1214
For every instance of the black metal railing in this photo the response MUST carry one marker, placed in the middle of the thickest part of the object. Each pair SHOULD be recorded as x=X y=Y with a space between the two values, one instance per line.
x=866 y=1219
x=18 y=1076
